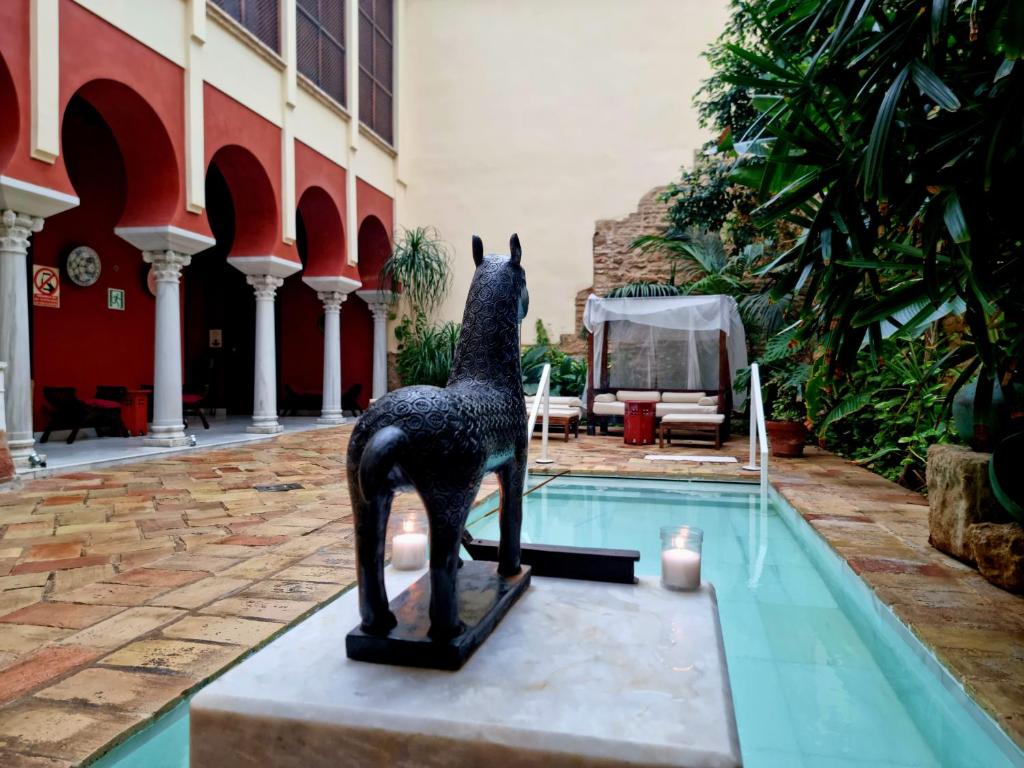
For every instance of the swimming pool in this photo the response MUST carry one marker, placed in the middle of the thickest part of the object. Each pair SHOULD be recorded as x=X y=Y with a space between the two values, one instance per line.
x=822 y=674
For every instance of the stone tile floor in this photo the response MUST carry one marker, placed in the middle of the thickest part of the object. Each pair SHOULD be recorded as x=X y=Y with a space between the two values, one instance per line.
x=123 y=589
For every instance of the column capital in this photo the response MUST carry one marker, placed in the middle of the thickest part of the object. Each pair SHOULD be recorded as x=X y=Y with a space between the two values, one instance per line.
x=265 y=286
x=332 y=300
x=16 y=229
x=167 y=265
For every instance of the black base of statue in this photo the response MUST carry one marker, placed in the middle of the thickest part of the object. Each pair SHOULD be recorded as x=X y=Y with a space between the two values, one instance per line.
x=484 y=599
x=614 y=566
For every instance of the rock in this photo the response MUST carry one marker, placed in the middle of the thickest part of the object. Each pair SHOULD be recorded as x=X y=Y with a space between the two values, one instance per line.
x=6 y=463
x=959 y=496
x=998 y=549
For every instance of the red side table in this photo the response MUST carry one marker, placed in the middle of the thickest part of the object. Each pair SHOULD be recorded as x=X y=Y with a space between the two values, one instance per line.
x=638 y=423
x=134 y=411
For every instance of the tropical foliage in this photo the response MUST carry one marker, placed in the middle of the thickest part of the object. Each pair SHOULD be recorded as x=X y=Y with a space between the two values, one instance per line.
x=425 y=350
x=568 y=374
x=891 y=134
x=643 y=290
x=420 y=267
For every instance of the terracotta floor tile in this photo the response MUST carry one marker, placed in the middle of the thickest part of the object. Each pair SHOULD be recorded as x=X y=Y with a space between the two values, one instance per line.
x=259 y=608
x=15 y=599
x=118 y=688
x=53 y=551
x=62 y=615
x=122 y=628
x=187 y=657
x=223 y=629
x=254 y=541
x=60 y=565
x=321 y=573
x=310 y=591
x=158 y=577
x=52 y=729
x=111 y=594
x=36 y=668
x=200 y=593
x=25 y=638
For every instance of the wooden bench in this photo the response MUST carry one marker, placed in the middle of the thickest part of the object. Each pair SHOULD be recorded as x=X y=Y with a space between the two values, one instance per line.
x=687 y=422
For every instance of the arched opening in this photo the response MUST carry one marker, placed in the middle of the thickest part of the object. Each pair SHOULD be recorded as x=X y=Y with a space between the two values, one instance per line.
x=374 y=249
x=99 y=330
x=152 y=179
x=9 y=116
x=320 y=242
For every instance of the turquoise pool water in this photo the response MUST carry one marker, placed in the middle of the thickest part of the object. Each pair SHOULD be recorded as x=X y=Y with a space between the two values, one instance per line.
x=823 y=676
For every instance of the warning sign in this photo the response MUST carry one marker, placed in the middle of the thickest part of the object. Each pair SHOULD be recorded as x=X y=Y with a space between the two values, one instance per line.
x=45 y=286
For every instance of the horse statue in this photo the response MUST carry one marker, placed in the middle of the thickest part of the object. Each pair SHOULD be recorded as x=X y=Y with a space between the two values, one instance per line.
x=441 y=442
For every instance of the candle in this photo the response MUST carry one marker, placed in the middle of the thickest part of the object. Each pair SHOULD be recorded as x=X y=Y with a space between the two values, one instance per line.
x=680 y=566
x=409 y=548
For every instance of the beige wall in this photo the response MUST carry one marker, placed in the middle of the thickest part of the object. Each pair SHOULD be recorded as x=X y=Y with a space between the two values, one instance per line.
x=543 y=116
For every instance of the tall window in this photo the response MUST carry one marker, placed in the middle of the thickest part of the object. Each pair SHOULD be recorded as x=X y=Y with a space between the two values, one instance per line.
x=261 y=17
x=376 y=22
x=320 y=35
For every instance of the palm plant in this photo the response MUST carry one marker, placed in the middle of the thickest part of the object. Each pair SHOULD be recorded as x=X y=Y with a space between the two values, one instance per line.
x=420 y=266
x=891 y=133
x=643 y=290
x=425 y=351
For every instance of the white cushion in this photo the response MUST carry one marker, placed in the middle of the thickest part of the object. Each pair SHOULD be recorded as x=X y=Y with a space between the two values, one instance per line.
x=609 y=409
x=557 y=412
x=606 y=397
x=693 y=418
x=641 y=397
x=559 y=400
x=681 y=397
x=708 y=400
x=665 y=409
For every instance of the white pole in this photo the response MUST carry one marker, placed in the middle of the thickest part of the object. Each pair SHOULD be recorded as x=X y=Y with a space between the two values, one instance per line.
x=751 y=465
x=546 y=395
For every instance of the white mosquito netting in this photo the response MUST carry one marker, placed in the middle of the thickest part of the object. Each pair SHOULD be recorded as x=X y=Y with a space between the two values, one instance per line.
x=669 y=342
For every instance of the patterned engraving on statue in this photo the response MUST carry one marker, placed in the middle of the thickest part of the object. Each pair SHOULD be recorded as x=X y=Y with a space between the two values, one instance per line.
x=442 y=441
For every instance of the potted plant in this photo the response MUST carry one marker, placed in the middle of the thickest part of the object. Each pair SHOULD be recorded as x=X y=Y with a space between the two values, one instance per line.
x=786 y=410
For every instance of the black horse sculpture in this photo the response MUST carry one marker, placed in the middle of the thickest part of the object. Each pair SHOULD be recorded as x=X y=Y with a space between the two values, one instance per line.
x=442 y=441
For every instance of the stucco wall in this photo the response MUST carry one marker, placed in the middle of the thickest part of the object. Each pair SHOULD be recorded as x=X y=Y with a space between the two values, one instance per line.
x=543 y=116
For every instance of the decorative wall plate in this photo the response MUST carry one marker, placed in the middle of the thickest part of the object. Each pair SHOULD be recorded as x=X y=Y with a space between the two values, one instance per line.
x=83 y=266
x=151 y=280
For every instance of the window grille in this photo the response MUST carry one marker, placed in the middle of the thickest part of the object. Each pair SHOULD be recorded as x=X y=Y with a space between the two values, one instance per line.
x=320 y=39
x=376 y=47
x=261 y=17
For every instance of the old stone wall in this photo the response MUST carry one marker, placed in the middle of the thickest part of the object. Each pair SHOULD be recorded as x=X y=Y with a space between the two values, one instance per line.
x=615 y=263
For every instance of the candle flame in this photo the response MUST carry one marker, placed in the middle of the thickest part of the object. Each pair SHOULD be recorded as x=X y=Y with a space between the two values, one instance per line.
x=679 y=542
x=408 y=526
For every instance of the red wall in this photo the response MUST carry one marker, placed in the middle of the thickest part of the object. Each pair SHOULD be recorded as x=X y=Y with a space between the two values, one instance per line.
x=301 y=336
x=83 y=344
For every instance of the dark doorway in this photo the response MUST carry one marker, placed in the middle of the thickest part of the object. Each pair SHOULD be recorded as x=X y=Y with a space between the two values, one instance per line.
x=217 y=298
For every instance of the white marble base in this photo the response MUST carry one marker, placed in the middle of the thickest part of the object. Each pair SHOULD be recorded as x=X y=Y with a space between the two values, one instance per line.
x=264 y=429
x=166 y=441
x=331 y=420
x=577 y=674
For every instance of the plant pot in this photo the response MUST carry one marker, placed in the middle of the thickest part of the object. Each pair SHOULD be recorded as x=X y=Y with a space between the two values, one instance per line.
x=787 y=438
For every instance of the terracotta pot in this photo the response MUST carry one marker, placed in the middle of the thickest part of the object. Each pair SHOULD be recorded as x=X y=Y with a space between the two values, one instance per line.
x=786 y=438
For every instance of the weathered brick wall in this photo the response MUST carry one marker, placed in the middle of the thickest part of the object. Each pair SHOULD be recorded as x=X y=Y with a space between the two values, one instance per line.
x=615 y=263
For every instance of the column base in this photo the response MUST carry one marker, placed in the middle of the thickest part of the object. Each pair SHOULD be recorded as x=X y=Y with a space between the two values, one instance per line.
x=167 y=437
x=24 y=455
x=264 y=428
x=331 y=417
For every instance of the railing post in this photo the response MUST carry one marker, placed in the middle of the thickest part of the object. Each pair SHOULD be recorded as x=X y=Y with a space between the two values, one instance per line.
x=546 y=395
x=751 y=465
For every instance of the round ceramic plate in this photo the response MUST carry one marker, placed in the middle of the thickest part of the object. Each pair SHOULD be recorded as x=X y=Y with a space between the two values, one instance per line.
x=83 y=266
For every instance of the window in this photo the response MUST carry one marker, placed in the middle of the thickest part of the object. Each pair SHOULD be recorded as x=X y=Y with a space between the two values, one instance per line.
x=261 y=17
x=375 y=66
x=320 y=38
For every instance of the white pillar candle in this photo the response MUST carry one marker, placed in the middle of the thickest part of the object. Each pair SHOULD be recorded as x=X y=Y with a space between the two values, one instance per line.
x=409 y=549
x=680 y=568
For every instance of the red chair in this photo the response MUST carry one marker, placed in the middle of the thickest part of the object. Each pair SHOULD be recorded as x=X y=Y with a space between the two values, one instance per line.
x=192 y=405
x=100 y=413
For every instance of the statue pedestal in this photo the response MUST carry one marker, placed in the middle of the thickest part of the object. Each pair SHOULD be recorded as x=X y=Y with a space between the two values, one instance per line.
x=577 y=674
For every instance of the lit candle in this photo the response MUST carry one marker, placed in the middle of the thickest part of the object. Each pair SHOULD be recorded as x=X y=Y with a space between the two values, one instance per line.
x=680 y=567
x=409 y=548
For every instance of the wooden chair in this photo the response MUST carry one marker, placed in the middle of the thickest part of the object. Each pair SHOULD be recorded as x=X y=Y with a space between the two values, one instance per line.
x=99 y=413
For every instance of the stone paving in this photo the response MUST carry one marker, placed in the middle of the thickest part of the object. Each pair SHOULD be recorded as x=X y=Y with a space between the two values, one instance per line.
x=121 y=590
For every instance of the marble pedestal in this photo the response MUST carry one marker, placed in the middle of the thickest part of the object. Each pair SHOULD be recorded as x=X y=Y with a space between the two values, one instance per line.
x=577 y=674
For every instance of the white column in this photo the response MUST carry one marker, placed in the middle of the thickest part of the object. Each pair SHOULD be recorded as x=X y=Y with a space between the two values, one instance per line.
x=331 y=412
x=264 y=414
x=15 y=231
x=168 y=427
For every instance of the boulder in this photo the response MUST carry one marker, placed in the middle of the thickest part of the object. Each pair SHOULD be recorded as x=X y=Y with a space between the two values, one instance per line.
x=959 y=496
x=998 y=549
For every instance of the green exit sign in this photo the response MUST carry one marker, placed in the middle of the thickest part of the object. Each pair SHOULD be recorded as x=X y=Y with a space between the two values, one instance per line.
x=115 y=298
